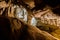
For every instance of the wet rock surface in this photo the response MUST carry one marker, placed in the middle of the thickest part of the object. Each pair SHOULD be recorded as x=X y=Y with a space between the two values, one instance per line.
x=48 y=25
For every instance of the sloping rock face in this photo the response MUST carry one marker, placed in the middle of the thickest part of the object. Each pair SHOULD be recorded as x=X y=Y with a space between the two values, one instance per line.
x=23 y=31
